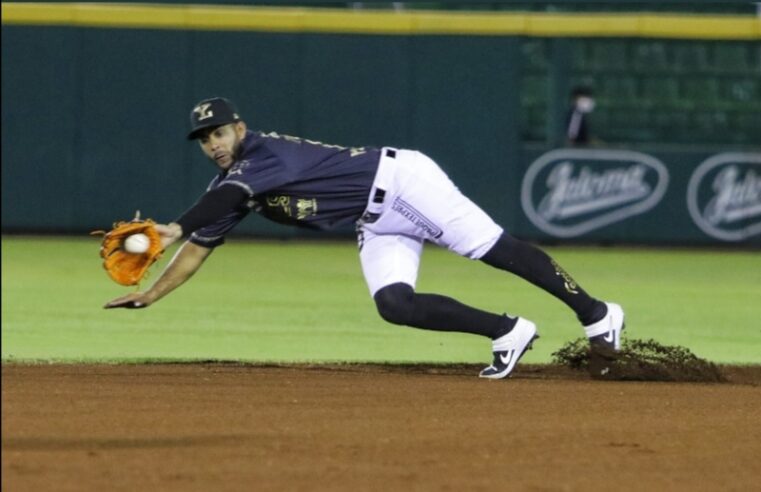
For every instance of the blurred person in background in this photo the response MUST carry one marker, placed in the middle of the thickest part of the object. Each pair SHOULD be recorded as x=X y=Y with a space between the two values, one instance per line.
x=578 y=131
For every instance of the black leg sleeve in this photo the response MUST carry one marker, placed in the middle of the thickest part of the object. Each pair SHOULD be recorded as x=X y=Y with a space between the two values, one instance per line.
x=399 y=304
x=532 y=264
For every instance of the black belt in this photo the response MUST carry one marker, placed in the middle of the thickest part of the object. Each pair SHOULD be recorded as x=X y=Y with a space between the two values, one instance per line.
x=378 y=196
x=370 y=217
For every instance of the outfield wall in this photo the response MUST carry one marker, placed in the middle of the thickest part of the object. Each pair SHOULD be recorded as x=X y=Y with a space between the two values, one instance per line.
x=95 y=106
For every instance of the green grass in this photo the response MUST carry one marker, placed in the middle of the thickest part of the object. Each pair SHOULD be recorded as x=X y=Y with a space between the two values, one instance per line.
x=297 y=301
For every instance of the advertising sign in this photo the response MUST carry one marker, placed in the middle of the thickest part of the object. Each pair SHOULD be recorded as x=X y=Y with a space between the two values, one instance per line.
x=569 y=192
x=664 y=196
x=724 y=196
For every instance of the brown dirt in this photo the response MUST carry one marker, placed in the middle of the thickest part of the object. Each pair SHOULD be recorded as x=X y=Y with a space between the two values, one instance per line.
x=366 y=427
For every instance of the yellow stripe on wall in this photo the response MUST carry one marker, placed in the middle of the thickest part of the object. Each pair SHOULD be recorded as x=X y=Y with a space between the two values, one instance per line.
x=406 y=22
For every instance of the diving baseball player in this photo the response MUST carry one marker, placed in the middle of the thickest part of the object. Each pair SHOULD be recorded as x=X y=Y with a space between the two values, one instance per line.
x=397 y=198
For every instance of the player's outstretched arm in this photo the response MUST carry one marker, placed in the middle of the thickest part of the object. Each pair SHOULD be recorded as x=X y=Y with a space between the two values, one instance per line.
x=184 y=264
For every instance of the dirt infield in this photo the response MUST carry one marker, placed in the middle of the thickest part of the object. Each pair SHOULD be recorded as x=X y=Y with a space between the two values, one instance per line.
x=236 y=427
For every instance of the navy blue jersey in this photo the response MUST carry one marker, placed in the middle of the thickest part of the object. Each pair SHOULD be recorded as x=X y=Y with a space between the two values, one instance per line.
x=295 y=181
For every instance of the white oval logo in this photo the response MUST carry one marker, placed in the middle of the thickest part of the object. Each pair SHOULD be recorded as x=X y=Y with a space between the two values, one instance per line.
x=569 y=192
x=724 y=196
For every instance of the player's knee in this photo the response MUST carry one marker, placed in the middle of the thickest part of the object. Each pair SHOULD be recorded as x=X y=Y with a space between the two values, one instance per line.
x=502 y=249
x=510 y=254
x=396 y=303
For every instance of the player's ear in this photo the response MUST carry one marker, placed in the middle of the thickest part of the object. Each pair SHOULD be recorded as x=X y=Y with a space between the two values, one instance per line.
x=240 y=128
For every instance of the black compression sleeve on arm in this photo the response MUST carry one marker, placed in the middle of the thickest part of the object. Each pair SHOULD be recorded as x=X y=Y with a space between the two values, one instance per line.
x=211 y=207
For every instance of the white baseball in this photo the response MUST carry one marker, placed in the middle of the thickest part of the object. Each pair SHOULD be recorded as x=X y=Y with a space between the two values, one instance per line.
x=137 y=243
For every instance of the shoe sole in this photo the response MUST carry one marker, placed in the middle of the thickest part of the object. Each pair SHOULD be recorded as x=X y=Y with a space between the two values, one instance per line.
x=508 y=371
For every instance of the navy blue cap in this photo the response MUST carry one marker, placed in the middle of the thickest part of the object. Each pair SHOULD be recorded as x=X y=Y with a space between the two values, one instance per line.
x=215 y=111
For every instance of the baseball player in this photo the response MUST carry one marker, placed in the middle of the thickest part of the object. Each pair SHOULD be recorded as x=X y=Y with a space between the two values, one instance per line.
x=397 y=198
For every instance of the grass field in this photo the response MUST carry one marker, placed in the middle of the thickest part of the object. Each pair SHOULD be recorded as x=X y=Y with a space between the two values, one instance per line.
x=307 y=301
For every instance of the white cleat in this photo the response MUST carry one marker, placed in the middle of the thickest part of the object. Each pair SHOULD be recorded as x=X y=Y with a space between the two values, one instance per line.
x=509 y=348
x=605 y=342
x=607 y=331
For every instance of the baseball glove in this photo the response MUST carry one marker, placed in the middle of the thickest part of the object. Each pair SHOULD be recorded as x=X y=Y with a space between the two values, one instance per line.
x=129 y=268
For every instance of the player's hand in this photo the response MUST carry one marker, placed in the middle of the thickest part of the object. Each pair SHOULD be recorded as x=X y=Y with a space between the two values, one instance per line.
x=135 y=300
x=169 y=233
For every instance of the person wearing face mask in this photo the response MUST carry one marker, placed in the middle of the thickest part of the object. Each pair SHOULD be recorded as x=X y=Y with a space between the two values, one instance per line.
x=577 y=126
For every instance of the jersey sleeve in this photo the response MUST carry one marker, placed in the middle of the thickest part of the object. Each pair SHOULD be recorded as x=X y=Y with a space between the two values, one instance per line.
x=214 y=235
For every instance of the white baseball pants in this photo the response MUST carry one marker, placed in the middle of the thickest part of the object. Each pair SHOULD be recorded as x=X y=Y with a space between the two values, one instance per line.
x=412 y=200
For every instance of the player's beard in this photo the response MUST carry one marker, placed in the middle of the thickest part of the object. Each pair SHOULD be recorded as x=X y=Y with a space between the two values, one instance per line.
x=237 y=147
x=228 y=160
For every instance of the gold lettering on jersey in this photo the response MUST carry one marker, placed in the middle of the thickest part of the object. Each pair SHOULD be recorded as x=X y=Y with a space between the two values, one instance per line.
x=353 y=151
x=568 y=282
x=283 y=202
x=306 y=207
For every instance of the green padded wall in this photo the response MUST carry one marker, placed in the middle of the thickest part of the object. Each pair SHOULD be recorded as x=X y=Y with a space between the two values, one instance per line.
x=93 y=119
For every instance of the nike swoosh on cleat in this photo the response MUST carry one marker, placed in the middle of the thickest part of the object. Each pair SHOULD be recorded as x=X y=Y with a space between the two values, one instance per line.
x=507 y=358
x=608 y=337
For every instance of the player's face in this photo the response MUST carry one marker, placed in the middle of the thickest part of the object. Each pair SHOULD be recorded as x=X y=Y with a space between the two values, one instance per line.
x=221 y=144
